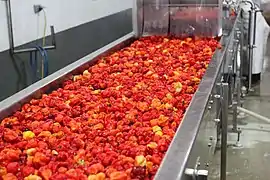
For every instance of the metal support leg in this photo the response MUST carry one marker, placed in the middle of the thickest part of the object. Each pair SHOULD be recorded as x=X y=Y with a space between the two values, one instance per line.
x=242 y=56
x=224 y=131
x=238 y=144
x=250 y=46
x=234 y=121
x=230 y=86
x=218 y=110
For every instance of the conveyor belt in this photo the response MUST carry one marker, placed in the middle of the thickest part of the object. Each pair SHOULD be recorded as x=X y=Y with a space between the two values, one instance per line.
x=181 y=153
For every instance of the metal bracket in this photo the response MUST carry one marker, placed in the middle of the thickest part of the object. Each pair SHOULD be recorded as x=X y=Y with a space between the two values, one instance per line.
x=238 y=144
x=200 y=174
x=195 y=173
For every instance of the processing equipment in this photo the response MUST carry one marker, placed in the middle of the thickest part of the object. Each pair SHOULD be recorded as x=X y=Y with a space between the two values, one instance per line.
x=204 y=127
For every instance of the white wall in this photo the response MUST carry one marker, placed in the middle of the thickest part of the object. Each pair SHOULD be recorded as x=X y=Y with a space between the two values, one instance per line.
x=63 y=14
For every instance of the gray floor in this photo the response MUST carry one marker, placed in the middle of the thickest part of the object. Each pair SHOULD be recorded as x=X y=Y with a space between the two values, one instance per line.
x=251 y=161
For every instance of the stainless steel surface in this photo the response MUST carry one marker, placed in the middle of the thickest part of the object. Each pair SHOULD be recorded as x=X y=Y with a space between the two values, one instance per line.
x=177 y=156
x=11 y=37
x=204 y=146
x=136 y=21
x=249 y=50
x=210 y=124
x=252 y=25
x=17 y=51
x=181 y=19
x=240 y=65
x=224 y=131
x=179 y=153
x=53 y=36
x=192 y=137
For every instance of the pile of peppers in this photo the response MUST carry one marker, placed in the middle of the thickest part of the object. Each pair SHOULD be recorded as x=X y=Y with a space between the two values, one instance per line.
x=114 y=121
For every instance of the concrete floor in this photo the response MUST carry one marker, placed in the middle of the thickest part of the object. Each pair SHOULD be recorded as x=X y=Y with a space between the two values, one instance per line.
x=251 y=161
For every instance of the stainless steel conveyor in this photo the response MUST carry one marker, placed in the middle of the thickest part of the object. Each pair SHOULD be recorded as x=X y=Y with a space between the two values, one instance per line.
x=204 y=126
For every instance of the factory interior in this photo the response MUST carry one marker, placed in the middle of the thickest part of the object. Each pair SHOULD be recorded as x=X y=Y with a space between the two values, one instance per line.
x=135 y=90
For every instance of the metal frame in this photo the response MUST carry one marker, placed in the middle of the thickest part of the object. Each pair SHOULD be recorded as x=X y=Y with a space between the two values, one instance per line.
x=139 y=23
x=224 y=131
x=174 y=164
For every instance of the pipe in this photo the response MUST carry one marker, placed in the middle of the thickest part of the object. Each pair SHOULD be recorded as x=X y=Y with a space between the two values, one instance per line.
x=32 y=49
x=260 y=117
x=254 y=28
x=241 y=50
x=250 y=53
x=250 y=45
x=10 y=28
x=224 y=131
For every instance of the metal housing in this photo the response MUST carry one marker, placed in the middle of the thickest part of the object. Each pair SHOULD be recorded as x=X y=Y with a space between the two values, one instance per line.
x=180 y=18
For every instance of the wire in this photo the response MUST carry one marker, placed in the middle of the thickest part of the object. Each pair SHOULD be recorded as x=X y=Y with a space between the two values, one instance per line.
x=43 y=52
x=45 y=28
x=45 y=62
x=43 y=41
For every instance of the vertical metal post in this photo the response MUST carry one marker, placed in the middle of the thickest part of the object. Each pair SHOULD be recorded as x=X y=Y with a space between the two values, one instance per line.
x=229 y=79
x=251 y=46
x=236 y=83
x=242 y=58
x=218 y=110
x=234 y=122
x=239 y=93
x=135 y=18
x=224 y=131
x=236 y=103
x=10 y=28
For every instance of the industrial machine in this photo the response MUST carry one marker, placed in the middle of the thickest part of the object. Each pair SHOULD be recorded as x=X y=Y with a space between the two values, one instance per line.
x=205 y=125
